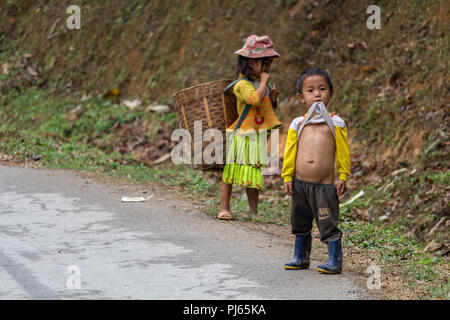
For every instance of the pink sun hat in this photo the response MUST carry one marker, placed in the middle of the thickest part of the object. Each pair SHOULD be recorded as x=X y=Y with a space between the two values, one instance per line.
x=257 y=47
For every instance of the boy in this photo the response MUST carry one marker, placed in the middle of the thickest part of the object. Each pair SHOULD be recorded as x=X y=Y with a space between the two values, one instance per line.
x=314 y=143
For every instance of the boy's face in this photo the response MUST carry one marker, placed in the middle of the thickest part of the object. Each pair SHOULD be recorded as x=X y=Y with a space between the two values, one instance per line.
x=315 y=88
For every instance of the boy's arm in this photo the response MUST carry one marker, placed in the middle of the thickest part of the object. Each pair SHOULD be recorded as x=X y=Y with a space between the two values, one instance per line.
x=290 y=154
x=342 y=153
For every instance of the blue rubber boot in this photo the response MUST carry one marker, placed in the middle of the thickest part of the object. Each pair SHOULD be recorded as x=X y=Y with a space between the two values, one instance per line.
x=302 y=249
x=334 y=263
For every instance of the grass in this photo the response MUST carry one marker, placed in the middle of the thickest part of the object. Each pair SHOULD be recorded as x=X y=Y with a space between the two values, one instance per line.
x=392 y=248
x=389 y=239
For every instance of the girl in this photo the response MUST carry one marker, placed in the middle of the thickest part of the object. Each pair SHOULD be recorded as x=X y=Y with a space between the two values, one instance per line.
x=255 y=102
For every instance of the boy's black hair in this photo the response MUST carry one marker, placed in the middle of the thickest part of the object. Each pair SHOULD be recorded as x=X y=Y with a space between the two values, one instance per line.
x=243 y=65
x=313 y=71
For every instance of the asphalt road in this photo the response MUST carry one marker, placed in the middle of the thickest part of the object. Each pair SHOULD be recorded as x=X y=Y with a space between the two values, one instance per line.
x=65 y=236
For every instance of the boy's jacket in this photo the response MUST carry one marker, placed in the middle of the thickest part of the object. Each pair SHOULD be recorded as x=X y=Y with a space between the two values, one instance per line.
x=342 y=149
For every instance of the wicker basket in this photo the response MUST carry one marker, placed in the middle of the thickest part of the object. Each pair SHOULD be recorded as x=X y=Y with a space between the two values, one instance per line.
x=207 y=102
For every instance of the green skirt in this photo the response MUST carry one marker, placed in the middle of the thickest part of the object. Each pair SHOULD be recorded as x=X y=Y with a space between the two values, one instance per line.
x=245 y=158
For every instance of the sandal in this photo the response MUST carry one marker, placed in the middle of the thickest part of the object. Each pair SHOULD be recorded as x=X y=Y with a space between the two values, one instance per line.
x=225 y=215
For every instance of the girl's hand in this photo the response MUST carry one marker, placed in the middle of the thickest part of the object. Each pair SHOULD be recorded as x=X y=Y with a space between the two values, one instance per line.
x=273 y=94
x=288 y=188
x=341 y=187
x=264 y=77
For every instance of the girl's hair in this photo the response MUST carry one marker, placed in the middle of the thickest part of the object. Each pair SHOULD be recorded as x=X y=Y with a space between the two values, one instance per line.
x=243 y=65
x=313 y=71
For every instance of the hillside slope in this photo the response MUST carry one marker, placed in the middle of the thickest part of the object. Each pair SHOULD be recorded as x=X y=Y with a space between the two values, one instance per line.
x=392 y=83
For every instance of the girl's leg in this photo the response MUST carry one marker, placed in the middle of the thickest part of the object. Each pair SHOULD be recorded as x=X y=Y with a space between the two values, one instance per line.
x=225 y=195
x=253 y=198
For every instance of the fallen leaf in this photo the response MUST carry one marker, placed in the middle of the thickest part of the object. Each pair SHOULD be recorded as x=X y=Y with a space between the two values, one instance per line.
x=32 y=72
x=368 y=69
x=51 y=63
x=425 y=22
x=158 y=108
x=132 y=104
x=393 y=78
x=432 y=246
x=314 y=33
x=433 y=230
x=366 y=216
x=71 y=116
x=295 y=9
x=5 y=68
x=111 y=94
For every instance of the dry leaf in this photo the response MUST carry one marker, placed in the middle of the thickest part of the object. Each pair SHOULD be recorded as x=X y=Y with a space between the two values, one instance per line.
x=5 y=68
x=32 y=72
x=368 y=69
x=432 y=246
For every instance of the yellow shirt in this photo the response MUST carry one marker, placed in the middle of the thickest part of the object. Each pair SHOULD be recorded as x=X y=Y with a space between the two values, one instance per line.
x=342 y=149
x=246 y=93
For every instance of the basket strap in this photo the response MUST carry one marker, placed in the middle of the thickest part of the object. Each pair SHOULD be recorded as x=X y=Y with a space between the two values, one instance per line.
x=242 y=116
x=233 y=83
x=246 y=108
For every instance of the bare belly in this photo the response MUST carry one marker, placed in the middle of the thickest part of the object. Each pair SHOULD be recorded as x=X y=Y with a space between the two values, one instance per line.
x=316 y=154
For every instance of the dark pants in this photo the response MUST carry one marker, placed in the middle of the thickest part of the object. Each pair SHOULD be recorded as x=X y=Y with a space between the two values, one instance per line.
x=315 y=201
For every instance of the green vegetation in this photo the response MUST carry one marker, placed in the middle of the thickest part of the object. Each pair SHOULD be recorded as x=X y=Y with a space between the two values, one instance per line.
x=390 y=89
